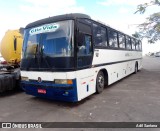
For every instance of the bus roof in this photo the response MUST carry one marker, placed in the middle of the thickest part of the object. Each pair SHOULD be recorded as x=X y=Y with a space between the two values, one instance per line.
x=68 y=17
x=57 y=18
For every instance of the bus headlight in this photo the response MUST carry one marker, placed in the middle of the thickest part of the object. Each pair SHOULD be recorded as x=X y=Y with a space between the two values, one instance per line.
x=24 y=78
x=60 y=81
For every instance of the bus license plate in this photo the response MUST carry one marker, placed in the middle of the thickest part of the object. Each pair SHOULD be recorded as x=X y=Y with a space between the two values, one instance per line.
x=41 y=91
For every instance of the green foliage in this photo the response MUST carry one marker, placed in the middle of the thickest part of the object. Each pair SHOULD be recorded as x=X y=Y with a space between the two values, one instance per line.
x=150 y=29
x=137 y=35
x=142 y=7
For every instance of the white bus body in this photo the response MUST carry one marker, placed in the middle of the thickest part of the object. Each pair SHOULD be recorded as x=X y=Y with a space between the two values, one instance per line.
x=113 y=63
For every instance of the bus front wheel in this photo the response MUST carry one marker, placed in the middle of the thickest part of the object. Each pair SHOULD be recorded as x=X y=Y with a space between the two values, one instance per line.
x=100 y=82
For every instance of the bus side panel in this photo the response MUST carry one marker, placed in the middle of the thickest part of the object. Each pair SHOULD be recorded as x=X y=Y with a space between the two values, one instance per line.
x=86 y=82
x=118 y=63
x=110 y=56
x=119 y=71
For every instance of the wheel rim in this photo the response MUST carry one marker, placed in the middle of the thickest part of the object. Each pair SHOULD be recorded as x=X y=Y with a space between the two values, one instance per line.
x=101 y=81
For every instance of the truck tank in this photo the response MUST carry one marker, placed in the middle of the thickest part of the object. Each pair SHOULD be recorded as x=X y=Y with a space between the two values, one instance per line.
x=10 y=49
x=11 y=46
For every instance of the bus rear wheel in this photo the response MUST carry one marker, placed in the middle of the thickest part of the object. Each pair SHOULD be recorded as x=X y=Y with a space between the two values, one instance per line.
x=100 y=82
x=136 y=68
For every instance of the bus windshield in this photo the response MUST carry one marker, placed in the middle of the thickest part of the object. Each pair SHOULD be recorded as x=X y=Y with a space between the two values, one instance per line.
x=48 y=42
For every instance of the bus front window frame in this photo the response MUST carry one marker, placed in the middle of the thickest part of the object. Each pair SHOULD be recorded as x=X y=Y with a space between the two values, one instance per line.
x=38 y=56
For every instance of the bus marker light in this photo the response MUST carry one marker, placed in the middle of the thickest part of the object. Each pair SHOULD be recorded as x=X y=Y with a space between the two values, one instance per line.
x=24 y=78
x=69 y=82
x=83 y=83
x=41 y=91
x=63 y=81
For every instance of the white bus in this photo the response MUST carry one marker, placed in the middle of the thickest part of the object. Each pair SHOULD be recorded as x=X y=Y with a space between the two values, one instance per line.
x=69 y=57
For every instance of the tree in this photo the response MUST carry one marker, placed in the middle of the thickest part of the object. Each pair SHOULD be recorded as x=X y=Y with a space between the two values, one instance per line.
x=150 y=29
x=137 y=35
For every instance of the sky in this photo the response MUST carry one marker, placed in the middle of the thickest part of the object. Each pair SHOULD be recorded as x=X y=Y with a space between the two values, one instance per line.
x=116 y=13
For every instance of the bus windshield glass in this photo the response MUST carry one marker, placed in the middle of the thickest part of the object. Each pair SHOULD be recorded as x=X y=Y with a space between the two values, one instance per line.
x=47 y=42
x=52 y=40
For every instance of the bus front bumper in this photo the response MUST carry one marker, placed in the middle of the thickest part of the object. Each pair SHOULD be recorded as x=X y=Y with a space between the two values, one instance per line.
x=51 y=91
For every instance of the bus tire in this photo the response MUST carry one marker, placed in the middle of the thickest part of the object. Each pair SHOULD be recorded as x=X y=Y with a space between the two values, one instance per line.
x=136 y=68
x=100 y=82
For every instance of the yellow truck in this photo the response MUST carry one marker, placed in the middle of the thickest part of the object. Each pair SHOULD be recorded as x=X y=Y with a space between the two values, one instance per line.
x=11 y=46
x=10 y=49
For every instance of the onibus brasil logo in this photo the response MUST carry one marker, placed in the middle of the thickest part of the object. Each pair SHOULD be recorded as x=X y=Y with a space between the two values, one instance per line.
x=45 y=28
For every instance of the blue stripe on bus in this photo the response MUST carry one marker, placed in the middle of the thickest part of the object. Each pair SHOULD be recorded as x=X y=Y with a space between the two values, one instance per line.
x=53 y=91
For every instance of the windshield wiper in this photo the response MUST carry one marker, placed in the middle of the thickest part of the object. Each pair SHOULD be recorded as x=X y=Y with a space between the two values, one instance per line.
x=36 y=52
x=42 y=53
x=43 y=57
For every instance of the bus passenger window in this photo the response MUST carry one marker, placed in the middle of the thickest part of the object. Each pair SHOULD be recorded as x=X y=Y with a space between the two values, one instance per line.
x=140 y=45
x=121 y=40
x=104 y=38
x=137 y=45
x=113 y=42
x=133 y=44
x=99 y=34
x=128 y=43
